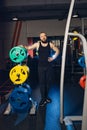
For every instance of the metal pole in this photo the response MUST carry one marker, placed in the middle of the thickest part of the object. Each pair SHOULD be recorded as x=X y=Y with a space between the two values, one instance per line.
x=83 y=32
x=63 y=60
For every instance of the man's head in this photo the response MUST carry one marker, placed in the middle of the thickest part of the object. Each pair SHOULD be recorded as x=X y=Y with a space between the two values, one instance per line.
x=43 y=37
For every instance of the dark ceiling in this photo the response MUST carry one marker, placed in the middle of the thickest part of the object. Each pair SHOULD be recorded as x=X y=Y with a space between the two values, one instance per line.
x=37 y=12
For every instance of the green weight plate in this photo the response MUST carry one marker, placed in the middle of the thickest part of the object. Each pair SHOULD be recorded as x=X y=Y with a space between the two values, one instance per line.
x=18 y=54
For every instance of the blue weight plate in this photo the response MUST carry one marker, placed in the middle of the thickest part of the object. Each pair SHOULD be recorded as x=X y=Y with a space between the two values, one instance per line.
x=19 y=100
x=81 y=62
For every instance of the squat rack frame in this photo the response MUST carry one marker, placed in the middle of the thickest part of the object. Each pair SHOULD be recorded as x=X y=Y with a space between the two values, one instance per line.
x=82 y=118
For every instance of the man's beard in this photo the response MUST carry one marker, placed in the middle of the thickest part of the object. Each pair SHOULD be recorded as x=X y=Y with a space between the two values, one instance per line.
x=44 y=41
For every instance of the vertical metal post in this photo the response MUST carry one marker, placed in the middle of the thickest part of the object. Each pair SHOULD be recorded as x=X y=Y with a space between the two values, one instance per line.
x=83 y=32
x=84 y=118
x=63 y=59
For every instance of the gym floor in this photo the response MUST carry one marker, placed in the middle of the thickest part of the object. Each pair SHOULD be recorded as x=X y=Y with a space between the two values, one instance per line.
x=47 y=118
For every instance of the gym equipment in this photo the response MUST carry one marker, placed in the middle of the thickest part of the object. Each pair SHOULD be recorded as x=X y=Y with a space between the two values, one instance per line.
x=21 y=103
x=82 y=81
x=75 y=38
x=83 y=117
x=26 y=88
x=19 y=100
x=81 y=61
x=19 y=74
x=69 y=124
x=18 y=54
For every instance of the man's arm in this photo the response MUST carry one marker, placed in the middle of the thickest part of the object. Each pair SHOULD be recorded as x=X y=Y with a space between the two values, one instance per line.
x=32 y=47
x=56 y=50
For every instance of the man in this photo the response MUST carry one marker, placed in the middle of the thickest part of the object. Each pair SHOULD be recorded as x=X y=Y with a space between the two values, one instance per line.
x=44 y=65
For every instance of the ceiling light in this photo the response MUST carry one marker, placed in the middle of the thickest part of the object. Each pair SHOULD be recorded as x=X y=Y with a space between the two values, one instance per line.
x=15 y=18
x=75 y=16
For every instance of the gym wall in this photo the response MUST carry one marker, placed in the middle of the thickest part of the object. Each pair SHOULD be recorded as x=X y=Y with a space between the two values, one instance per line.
x=31 y=29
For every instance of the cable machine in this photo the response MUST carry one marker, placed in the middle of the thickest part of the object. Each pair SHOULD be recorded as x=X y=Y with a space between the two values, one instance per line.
x=68 y=120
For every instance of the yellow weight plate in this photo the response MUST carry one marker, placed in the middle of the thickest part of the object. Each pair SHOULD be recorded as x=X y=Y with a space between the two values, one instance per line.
x=18 y=74
x=75 y=38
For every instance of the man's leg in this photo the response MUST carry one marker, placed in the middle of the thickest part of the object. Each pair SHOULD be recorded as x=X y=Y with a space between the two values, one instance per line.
x=41 y=74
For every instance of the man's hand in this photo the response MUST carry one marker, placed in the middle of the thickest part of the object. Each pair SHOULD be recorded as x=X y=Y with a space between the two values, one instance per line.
x=50 y=59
